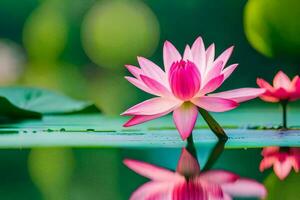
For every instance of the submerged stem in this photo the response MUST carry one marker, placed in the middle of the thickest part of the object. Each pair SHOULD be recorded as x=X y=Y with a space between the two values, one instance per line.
x=214 y=155
x=190 y=147
x=213 y=125
x=284 y=114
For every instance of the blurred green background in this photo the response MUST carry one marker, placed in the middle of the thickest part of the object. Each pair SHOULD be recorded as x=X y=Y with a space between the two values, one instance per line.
x=79 y=47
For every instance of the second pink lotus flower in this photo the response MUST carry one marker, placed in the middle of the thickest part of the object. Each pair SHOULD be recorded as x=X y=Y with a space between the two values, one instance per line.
x=283 y=88
x=283 y=91
x=185 y=85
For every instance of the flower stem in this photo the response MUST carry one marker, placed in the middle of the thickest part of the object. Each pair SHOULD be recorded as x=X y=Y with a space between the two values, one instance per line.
x=213 y=125
x=284 y=114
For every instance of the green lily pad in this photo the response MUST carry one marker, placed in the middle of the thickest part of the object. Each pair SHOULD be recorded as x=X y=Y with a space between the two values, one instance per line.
x=21 y=102
x=7 y=109
x=97 y=130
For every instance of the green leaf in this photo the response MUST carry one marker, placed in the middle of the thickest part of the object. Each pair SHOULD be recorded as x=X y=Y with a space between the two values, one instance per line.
x=7 y=109
x=21 y=102
x=96 y=130
x=213 y=124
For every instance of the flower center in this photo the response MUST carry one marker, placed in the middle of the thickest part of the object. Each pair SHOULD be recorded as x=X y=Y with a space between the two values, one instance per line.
x=184 y=79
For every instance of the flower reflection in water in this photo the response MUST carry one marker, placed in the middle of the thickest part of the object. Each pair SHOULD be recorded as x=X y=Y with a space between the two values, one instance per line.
x=283 y=159
x=188 y=182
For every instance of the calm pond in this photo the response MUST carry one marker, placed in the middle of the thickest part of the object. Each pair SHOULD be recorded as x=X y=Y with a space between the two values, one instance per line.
x=94 y=173
x=91 y=157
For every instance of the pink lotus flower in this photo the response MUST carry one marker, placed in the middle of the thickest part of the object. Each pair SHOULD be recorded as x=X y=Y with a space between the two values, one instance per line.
x=189 y=183
x=185 y=85
x=283 y=88
x=282 y=160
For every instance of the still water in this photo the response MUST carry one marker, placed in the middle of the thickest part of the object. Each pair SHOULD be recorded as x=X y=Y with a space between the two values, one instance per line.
x=204 y=171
